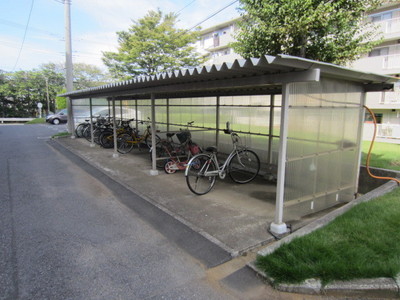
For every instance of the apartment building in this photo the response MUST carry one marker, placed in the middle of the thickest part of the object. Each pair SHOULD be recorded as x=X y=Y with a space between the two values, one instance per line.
x=384 y=59
x=214 y=43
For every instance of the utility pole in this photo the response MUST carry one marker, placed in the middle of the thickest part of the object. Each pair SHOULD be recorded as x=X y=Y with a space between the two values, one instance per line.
x=47 y=94
x=68 y=62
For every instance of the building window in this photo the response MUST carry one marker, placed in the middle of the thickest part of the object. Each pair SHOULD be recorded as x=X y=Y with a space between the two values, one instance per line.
x=379 y=52
x=382 y=17
x=369 y=119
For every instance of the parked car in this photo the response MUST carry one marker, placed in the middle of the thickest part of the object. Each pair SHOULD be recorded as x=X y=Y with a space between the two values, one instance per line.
x=60 y=117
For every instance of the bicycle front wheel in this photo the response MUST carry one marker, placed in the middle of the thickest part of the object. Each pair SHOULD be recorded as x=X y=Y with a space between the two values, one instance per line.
x=79 y=130
x=124 y=143
x=244 y=166
x=201 y=173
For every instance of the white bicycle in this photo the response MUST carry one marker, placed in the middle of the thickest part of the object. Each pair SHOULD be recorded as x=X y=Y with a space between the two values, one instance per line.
x=242 y=165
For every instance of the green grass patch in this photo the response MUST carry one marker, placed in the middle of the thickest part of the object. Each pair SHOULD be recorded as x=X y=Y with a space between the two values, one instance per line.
x=384 y=155
x=37 y=121
x=61 y=134
x=362 y=243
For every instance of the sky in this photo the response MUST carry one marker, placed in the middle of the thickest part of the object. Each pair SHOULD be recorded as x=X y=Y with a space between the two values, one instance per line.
x=32 y=31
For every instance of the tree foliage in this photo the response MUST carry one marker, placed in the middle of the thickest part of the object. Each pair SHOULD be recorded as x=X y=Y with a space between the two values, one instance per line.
x=21 y=91
x=87 y=76
x=152 y=45
x=324 y=30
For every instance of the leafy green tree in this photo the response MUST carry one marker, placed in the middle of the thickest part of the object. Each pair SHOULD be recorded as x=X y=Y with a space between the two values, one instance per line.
x=324 y=30
x=152 y=45
x=61 y=102
x=87 y=76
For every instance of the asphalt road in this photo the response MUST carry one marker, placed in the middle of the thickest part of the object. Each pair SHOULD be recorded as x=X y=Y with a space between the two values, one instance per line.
x=67 y=233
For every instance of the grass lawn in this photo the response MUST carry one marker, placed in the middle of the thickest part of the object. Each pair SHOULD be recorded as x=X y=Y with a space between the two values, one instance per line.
x=37 y=121
x=362 y=243
x=384 y=155
x=60 y=134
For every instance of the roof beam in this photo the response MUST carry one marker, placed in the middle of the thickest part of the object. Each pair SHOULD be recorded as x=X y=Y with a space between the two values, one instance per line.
x=219 y=84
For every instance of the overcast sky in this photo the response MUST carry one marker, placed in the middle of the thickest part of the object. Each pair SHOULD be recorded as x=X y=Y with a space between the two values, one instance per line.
x=94 y=25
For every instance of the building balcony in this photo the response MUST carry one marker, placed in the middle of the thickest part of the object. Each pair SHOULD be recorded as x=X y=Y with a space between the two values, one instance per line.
x=387 y=64
x=388 y=133
x=389 y=28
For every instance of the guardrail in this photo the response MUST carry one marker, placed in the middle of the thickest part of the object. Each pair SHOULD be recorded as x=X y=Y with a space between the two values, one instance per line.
x=14 y=120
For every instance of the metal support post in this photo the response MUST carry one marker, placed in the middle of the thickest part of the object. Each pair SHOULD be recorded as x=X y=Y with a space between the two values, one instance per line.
x=359 y=138
x=68 y=64
x=91 y=123
x=271 y=128
x=168 y=115
x=71 y=119
x=217 y=121
x=115 y=154
x=136 y=115
x=278 y=226
x=154 y=170
x=120 y=109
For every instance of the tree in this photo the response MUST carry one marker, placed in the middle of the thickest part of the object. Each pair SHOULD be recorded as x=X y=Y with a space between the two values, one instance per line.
x=152 y=45
x=61 y=102
x=324 y=30
x=87 y=76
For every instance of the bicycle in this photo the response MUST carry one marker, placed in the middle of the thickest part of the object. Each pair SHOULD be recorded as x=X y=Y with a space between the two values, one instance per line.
x=242 y=165
x=106 y=138
x=126 y=141
x=179 y=154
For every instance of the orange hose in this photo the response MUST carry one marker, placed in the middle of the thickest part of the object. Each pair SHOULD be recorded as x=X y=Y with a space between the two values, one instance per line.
x=370 y=150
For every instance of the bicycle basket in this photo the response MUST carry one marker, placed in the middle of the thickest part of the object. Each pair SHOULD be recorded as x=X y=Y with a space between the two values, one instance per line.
x=183 y=136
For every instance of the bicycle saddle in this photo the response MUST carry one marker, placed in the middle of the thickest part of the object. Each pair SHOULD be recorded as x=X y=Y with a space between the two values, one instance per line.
x=211 y=149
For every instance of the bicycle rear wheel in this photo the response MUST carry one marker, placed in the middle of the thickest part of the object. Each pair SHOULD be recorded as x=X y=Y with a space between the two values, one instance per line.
x=148 y=140
x=197 y=179
x=107 y=139
x=124 y=143
x=244 y=166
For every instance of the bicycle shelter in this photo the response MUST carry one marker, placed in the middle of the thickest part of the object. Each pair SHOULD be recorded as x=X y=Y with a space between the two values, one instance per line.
x=302 y=117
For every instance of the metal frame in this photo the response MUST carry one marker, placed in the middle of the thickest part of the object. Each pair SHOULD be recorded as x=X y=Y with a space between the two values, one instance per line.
x=265 y=76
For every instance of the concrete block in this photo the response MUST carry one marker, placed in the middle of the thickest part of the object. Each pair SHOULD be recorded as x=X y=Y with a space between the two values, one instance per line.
x=310 y=286
x=376 y=288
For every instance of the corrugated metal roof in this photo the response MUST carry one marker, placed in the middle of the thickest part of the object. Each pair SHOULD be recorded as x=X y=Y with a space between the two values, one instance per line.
x=243 y=76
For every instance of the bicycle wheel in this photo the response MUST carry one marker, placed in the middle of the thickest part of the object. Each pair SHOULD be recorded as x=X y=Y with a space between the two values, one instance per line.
x=148 y=140
x=170 y=167
x=244 y=166
x=197 y=179
x=107 y=139
x=79 y=130
x=87 y=134
x=161 y=152
x=96 y=135
x=124 y=143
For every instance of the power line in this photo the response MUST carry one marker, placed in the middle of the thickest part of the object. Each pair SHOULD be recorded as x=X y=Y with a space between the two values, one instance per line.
x=184 y=7
x=23 y=40
x=214 y=14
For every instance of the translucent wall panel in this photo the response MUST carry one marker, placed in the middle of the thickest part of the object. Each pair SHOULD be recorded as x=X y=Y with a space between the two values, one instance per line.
x=81 y=109
x=248 y=115
x=322 y=146
x=201 y=111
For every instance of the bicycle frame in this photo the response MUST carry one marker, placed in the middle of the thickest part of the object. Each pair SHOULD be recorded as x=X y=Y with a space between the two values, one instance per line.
x=221 y=172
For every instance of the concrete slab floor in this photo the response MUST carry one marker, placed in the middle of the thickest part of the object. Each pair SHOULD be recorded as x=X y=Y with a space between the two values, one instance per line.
x=234 y=216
